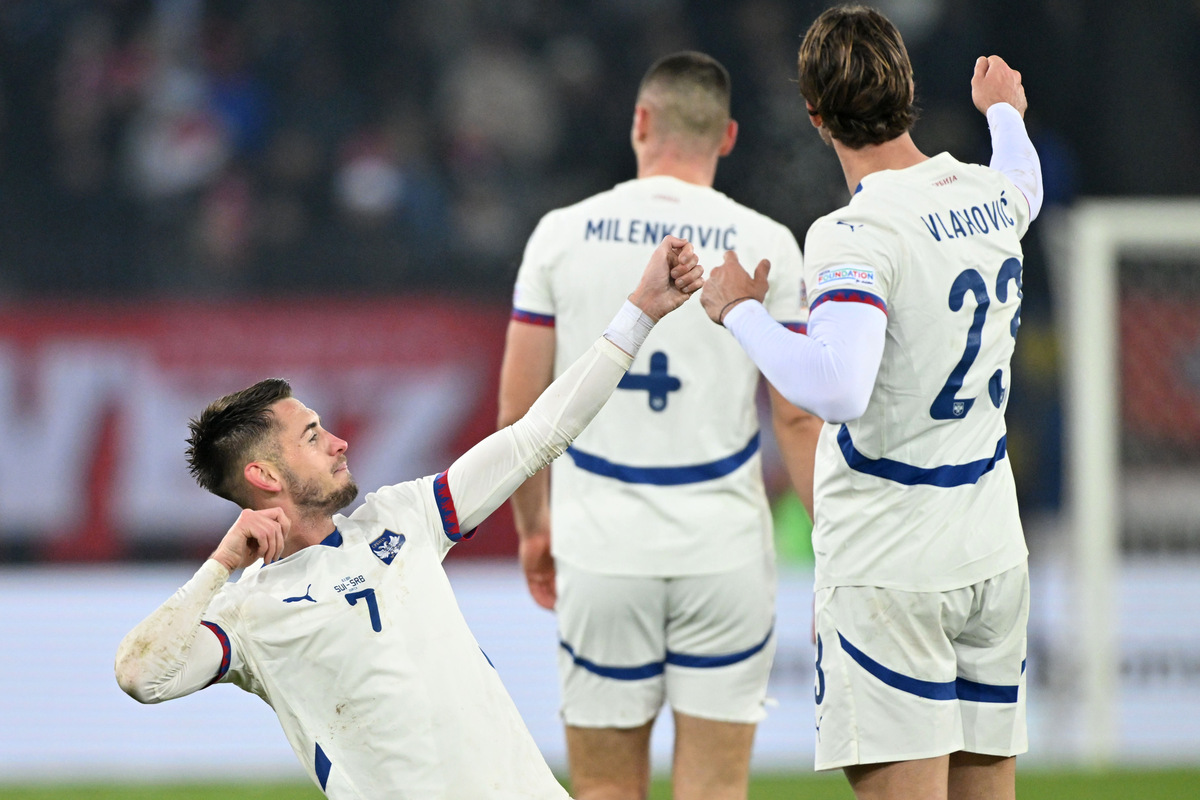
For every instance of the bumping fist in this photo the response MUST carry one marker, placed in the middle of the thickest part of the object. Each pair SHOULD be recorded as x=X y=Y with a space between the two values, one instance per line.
x=672 y=275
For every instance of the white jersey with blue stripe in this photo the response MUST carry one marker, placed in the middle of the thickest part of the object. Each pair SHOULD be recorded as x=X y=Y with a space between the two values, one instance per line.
x=917 y=493
x=360 y=648
x=667 y=479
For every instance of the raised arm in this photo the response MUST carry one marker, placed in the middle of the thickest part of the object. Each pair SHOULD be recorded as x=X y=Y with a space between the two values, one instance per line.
x=484 y=477
x=997 y=92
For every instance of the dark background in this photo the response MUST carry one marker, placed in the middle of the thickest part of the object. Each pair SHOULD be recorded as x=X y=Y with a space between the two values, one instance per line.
x=228 y=150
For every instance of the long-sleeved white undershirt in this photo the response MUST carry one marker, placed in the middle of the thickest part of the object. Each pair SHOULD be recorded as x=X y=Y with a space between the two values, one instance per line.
x=165 y=656
x=830 y=371
x=1013 y=154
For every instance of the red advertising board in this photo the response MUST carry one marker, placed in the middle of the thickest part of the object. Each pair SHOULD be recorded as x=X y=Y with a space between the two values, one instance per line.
x=96 y=398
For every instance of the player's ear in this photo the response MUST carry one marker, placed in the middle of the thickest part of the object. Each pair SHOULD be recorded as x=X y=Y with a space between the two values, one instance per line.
x=729 y=138
x=813 y=116
x=641 y=124
x=263 y=475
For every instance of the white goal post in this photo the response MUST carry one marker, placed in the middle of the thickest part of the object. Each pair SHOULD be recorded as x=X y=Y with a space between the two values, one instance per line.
x=1088 y=244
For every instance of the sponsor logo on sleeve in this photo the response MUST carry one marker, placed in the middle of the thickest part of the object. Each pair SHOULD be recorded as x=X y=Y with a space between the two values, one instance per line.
x=857 y=276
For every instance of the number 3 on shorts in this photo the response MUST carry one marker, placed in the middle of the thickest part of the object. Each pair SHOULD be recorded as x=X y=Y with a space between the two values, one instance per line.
x=819 y=689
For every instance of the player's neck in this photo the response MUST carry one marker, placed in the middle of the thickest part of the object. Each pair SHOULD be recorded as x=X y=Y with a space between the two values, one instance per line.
x=899 y=153
x=306 y=531
x=689 y=169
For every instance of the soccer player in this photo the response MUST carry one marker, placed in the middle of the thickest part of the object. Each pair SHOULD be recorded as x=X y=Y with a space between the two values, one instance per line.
x=915 y=288
x=653 y=549
x=347 y=626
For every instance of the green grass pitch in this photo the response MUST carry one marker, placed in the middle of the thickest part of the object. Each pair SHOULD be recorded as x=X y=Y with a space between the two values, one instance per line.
x=1033 y=784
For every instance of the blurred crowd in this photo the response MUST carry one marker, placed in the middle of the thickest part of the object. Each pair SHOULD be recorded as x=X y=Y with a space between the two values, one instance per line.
x=213 y=148
x=182 y=147
x=222 y=148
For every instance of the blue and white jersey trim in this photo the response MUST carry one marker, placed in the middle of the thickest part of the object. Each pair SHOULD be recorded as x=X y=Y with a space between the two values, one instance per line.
x=449 y=514
x=946 y=476
x=533 y=318
x=656 y=668
x=957 y=689
x=849 y=296
x=226 y=650
x=664 y=476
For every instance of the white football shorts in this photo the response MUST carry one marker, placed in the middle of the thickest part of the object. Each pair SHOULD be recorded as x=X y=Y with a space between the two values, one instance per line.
x=703 y=643
x=908 y=675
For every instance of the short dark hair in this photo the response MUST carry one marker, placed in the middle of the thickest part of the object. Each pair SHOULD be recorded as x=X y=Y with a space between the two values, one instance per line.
x=856 y=74
x=692 y=90
x=231 y=433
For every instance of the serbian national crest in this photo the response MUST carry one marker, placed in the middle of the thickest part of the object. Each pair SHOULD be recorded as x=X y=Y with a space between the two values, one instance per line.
x=387 y=546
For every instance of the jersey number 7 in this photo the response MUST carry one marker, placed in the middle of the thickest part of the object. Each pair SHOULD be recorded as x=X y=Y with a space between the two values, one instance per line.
x=372 y=606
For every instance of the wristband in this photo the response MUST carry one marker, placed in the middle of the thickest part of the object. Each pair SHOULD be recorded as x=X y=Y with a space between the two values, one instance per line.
x=629 y=328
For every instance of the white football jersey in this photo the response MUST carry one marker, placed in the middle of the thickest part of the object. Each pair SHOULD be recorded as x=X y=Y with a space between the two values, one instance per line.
x=918 y=494
x=360 y=648
x=667 y=479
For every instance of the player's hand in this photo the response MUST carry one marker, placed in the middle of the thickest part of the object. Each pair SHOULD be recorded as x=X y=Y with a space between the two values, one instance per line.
x=996 y=82
x=255 y=535
x=671 y=277
x=730 y=284
x=538 y=565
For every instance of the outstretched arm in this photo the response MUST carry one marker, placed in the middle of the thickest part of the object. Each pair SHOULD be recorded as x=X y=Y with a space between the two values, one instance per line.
x=484 y=477
x=997 y=92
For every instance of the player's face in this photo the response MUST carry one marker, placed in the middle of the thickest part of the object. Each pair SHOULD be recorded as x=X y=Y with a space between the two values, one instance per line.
x=314 y=465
